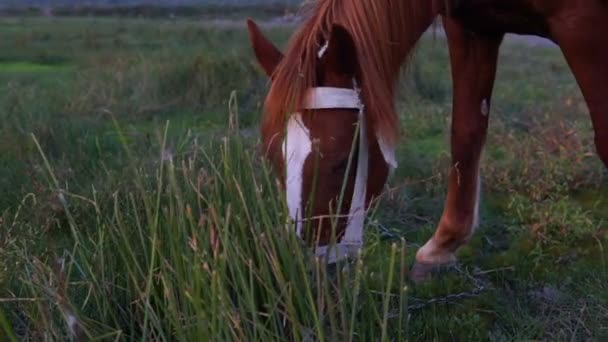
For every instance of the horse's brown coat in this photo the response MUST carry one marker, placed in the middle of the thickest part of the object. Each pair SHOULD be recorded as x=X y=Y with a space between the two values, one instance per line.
x=385 y=32
x=332 y=132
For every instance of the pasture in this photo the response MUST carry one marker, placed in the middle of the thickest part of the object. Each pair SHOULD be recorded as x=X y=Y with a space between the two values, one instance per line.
x=135 y=203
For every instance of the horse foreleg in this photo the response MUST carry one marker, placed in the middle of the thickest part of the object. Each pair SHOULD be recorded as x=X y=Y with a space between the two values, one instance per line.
x=473 y=61
x=581 y=34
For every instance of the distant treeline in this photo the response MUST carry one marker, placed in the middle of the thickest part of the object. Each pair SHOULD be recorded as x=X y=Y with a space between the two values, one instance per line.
x=148 y=8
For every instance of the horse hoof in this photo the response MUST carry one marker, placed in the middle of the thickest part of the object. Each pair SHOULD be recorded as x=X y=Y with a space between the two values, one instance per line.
x=421 y=272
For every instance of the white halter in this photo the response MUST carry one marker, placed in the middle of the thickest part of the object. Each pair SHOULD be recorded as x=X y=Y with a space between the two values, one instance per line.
x=333 y=98
x=343 y=98
x=297 y=147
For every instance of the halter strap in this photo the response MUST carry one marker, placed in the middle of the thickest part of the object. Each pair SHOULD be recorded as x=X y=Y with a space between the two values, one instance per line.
x=332 y=98
x=344 y=98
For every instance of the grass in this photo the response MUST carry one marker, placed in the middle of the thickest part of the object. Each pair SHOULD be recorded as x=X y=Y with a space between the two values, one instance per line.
x=27 y=67
x=196 y=9
x=130 y=209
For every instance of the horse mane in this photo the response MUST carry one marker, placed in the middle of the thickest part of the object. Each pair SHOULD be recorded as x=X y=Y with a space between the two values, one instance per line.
x=378 y=27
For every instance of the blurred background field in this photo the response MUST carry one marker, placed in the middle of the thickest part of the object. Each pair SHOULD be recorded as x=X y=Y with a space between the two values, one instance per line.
x=130 y=205
x=151 y=8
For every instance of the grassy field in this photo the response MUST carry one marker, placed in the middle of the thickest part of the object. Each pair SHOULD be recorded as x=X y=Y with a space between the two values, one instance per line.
x=134 y=203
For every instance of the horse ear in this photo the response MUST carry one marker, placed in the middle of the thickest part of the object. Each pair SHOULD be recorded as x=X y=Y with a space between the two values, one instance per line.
x=267 y=54
x=341 y=53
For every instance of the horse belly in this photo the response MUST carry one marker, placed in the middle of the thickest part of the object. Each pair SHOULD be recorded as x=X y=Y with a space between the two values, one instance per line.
x=503 y=16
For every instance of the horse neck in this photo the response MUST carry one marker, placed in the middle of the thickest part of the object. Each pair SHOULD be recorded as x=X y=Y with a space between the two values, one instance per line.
x=381 y=67
x=427 y=11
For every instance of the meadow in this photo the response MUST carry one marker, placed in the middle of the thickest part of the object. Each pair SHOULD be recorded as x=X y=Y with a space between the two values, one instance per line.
x=135 y=202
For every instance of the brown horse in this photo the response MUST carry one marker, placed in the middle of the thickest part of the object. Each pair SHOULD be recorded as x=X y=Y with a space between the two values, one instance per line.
x=369 y=41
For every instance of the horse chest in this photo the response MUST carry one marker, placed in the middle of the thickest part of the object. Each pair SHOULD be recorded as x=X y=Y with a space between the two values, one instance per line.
x=504 y=16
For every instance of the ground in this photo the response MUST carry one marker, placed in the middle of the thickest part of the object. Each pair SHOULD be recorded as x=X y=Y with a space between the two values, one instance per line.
x=131 y=207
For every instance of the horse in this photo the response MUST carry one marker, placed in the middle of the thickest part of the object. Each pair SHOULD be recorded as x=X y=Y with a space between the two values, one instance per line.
x=359 y=46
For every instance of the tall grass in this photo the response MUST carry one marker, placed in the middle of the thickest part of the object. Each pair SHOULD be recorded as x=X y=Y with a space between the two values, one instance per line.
x=199 y=247
x=181 y=233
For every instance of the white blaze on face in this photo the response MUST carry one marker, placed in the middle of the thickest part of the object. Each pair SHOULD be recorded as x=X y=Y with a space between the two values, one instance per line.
x=296 y=148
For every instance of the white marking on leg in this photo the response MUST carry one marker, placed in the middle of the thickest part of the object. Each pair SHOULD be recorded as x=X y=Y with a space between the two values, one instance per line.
x=485 y=108
x=426 y=252
x=477 y=200
x=296 y=148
